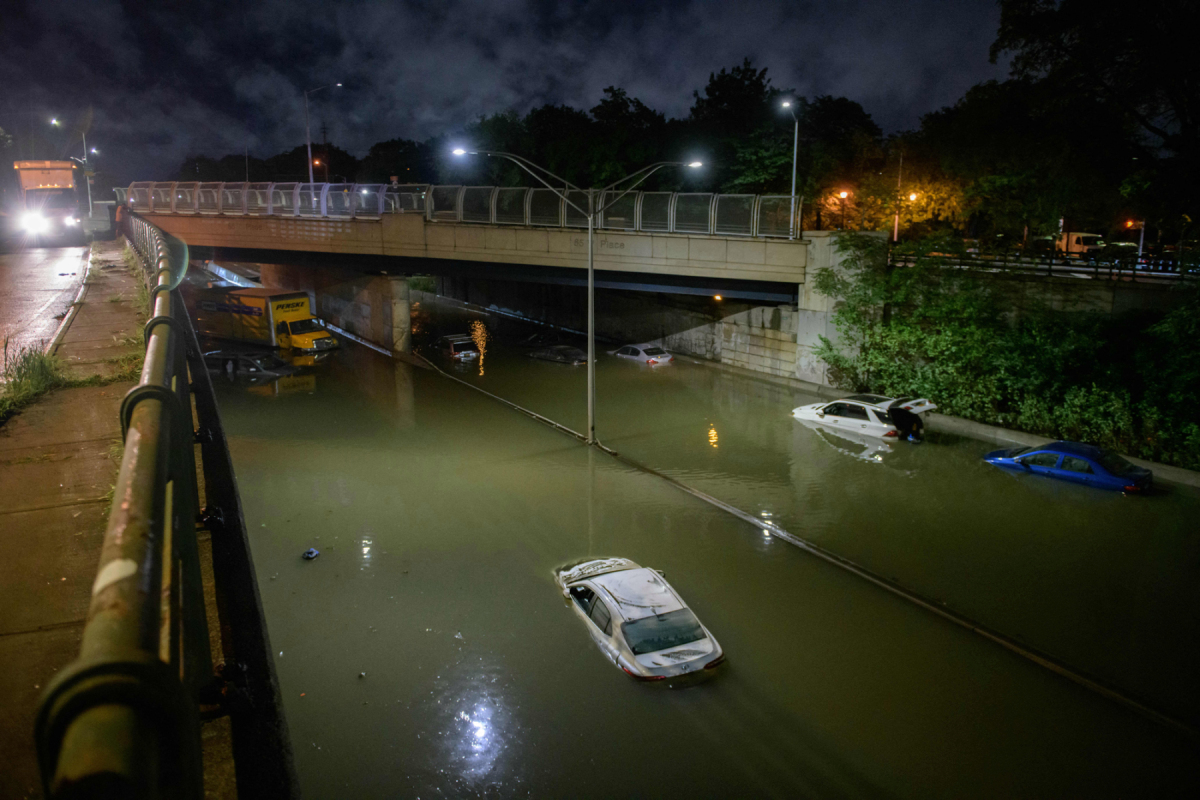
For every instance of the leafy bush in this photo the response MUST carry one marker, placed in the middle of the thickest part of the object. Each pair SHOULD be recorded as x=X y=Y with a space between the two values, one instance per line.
x=1130 y=382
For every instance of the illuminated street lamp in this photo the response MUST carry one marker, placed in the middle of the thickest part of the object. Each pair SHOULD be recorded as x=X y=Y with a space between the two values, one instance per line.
x=792 y=226
x=308 y=129
x=591 y=213
x=843 y=195
x=1141 y=226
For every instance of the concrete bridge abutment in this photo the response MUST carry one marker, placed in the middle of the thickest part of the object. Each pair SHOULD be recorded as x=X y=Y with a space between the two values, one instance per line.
x=374 y=307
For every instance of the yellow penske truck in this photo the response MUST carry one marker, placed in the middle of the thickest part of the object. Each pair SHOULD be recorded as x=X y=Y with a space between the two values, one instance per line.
x=262 y=316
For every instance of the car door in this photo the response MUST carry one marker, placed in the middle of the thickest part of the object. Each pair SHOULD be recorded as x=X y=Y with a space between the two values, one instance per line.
x=834 y=414
x=628 y=352
x=601 y=617
x=1044 y=463
x=854 y=417
x=1077 y=470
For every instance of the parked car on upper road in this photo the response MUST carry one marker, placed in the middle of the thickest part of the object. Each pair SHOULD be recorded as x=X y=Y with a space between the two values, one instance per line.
x=645 y=353
x=639 y=622
x=870 y=415
x=1074 y=462
x=561 y=354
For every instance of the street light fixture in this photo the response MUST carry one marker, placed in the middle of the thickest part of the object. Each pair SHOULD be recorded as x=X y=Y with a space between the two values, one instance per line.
x=591 y=213
x=843 y=195
x=795 y=152
x=308 y=128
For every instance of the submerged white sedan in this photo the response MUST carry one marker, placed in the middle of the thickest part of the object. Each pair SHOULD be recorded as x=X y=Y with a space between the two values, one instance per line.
x=645 y=353
x=638 y=620
x=870 y=415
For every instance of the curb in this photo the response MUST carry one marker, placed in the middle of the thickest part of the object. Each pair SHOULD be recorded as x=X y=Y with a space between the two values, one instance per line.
x=52 y=346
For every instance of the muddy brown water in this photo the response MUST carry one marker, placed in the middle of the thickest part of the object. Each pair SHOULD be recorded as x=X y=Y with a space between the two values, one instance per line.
x=441 y=514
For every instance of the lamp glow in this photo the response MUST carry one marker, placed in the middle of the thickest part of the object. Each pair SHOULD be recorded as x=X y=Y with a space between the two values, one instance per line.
x=844 y=195
x=786 y=104
x=695 y=164
x=912 y=196
x=458 y=151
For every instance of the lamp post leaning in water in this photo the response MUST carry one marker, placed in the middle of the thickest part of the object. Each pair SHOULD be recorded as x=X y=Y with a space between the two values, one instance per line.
x=591 y=213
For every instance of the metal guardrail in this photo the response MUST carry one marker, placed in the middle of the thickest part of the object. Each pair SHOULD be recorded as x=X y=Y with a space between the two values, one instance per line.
x=1122 y=268
x=123 y=719
x=659 y=212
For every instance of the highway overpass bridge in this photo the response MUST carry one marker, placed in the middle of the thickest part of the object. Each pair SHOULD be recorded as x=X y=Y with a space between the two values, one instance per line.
x=739 y=246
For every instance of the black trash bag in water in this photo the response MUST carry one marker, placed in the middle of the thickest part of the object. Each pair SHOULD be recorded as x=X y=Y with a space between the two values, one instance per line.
x=908 y=424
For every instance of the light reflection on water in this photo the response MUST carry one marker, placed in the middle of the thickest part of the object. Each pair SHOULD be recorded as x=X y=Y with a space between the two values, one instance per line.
x=441 y=515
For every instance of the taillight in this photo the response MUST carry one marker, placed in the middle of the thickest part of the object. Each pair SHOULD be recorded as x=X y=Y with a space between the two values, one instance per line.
x=632 y=674
x=651 y=361
x=1134 y=488
x=714 y=664
x=891 y=434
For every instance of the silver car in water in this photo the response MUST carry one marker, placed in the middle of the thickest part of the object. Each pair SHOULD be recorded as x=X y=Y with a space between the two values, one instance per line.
x=639 y=622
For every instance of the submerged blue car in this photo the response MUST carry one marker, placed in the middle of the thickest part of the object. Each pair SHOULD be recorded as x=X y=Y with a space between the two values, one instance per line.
x=1078 y=463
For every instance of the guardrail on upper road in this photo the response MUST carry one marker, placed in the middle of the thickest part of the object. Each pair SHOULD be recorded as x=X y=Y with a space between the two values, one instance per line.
x=656 y=212
x=1137 y=268
x=122 y=720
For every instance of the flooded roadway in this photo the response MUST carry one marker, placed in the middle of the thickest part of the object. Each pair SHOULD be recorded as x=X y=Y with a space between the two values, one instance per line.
x=440 y=515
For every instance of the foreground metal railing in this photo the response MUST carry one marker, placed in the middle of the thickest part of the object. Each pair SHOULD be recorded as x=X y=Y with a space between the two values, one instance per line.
x=1143 y=268
x=123 y=720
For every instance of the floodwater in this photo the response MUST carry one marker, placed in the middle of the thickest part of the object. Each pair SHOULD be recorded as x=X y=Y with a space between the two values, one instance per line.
x=428 y=653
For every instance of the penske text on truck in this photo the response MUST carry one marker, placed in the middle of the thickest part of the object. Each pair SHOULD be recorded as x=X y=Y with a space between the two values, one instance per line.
x=263 y=316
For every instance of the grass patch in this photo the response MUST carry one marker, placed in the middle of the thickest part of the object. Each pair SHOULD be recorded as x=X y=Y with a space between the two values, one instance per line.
x=128 y=367
x=27 y=374
x=116 y=298
x=141 y=299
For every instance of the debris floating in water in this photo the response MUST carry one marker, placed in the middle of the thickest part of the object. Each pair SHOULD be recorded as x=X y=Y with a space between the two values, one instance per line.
x=362 y=674
x=311 y=553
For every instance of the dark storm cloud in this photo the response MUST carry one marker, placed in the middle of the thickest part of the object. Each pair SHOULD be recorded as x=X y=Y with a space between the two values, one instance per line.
x=169 y=79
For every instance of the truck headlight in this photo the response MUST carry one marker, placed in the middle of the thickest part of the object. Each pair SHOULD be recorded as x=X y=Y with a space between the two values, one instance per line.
x=69 y=221
x=33 y=222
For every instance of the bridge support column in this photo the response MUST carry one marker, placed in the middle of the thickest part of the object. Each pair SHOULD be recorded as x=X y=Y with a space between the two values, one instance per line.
x=375 y=307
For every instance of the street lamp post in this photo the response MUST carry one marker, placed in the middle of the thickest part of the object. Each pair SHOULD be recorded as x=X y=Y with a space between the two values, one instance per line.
x=795 y=153
x=308 y=128
x=843 y=195
x=591 y=213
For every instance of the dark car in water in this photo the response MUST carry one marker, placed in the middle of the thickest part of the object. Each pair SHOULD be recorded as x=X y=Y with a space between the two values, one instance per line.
x=252 y=365
x=561 y=354
x=1078 y=463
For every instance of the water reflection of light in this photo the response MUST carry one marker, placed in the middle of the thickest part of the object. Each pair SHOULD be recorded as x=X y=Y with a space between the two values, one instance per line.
x=479 y=335
x=712 y=435
x=367 y=542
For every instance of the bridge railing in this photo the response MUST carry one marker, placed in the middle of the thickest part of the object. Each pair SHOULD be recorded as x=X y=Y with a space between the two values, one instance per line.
x=122 y=720
x=659 y=212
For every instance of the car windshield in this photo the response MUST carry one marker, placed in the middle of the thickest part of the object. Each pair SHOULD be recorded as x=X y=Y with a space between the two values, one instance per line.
x=654 y=351
x=1115 y=464
x=309 y=325
x=1019 y=451
x=462 y=347
x=651 y=634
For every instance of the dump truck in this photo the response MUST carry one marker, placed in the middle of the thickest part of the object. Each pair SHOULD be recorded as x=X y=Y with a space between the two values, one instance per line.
x=262 y=316
x=49 y=206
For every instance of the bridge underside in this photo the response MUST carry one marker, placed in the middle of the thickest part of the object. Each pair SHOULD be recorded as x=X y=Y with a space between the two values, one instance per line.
x=765 y=292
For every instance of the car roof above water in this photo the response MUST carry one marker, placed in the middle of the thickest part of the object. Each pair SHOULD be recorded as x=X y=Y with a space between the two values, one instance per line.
x=1073 y=449
x=639 y=593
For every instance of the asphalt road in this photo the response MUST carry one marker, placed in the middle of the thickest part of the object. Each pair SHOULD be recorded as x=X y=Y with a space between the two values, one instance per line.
x=36 y=285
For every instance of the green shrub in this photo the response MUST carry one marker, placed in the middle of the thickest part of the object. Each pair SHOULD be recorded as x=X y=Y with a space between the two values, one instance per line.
x=1131 y=382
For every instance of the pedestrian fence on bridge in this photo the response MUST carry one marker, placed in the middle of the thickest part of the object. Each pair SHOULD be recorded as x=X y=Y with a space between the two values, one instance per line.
x=123 y=719
x=658 y=212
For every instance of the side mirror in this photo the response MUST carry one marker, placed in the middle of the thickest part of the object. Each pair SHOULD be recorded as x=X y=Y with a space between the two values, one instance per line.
x=821 y=414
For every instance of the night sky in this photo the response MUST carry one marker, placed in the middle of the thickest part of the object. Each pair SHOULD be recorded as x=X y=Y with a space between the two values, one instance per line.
x=170 y=79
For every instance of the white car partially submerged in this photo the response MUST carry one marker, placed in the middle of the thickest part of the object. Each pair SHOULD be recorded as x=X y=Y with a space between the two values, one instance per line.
x=870 y=415
x=638 y=620
x=645 y=353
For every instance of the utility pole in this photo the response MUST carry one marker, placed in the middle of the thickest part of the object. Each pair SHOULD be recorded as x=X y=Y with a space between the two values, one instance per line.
x=896 y=226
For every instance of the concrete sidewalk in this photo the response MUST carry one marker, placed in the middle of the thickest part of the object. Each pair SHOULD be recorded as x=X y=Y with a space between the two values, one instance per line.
x=58 y=461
